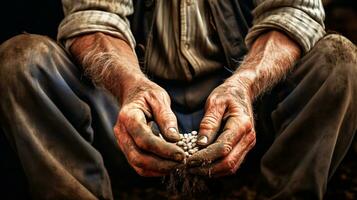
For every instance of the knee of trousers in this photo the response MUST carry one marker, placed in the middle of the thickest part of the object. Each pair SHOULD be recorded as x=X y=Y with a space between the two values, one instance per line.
x=22 y=58
x=335 y=62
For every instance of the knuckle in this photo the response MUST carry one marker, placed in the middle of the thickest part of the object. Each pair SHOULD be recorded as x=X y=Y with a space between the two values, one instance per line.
x=231 y=166
x=241 y=129
x=117 y=134
x=133 y=159
x=123 y=114
x=166 y=115
x=116 y=130
x=251 y=137
x=211 y=101
x=209 y=121
x=146 y=93
x=226 y=149
x=159 y=94
x=153 y=94
x=140 y=172
x=246 y=122
x=245 y=125
x=216 y=99
x=164 y=94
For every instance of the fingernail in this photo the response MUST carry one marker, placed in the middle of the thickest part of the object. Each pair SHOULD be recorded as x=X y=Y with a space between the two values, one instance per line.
x=202 y=140
x=173 y=130
x=174 y=133
x=179 y=156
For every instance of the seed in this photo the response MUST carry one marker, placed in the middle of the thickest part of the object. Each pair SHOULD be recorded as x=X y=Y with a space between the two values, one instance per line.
x=191 y=151
x=180 y=143
x=187 y=142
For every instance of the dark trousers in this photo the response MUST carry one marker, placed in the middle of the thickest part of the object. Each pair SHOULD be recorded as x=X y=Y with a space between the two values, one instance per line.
x=60 y=125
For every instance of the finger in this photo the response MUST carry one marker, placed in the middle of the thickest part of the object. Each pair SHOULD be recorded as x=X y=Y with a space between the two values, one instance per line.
x=164 y=117
x=233 y=131
x=234 y=128
x=211 y=121
x=208 y=155
x=136 y=126
x=145 y=164
x=230 y=164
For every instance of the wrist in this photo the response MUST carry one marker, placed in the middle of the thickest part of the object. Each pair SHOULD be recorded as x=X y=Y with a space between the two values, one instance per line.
x=125 y=83
x=108 y=61
x=244 y=80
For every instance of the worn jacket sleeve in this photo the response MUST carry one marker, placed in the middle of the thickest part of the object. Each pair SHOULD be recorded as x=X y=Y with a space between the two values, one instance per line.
x=86 y=16
x=302 y=20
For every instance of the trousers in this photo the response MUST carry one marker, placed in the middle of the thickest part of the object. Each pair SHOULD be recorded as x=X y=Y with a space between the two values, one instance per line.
x=60 y=126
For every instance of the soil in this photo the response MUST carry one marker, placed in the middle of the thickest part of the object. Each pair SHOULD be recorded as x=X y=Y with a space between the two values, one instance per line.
x=342 y=186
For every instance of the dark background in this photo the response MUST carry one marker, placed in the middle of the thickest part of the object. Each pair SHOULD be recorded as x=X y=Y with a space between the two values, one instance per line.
x=43 y=17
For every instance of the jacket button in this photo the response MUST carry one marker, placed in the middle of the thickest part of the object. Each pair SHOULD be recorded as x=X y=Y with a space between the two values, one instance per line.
x=187 y=45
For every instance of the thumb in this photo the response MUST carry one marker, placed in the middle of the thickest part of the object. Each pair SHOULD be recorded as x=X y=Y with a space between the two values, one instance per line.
x=210 y=124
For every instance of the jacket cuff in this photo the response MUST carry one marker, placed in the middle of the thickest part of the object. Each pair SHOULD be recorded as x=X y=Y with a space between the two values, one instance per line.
x=84 y=22
x=294 y=22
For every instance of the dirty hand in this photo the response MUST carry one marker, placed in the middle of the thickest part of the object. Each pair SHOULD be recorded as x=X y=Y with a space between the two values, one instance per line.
x=270 y=58
x=147 y=153
x=111 y=62
x=229 y=106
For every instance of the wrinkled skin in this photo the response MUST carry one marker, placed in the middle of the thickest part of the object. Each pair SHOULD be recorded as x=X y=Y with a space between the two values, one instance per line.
x=147 y=153
x=139 y=99
x=229 y=106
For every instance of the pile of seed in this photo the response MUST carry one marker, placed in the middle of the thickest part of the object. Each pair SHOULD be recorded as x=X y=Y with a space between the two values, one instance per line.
x=188 y=143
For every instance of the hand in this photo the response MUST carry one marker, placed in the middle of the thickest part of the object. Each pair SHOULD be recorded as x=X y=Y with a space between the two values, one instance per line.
x=111 y=62
x=229 y=104
x=269 y=59
x=147 y=153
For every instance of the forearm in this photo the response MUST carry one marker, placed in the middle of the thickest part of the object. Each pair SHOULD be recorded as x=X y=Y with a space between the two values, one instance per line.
x=107 y=60
x=270 y=58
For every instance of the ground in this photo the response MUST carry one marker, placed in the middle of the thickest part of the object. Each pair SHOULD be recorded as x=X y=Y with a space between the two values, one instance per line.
x=343 y=186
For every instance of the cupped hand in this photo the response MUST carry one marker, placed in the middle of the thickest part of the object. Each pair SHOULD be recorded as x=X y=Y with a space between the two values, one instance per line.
x=147 y=153
x=226 y=131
